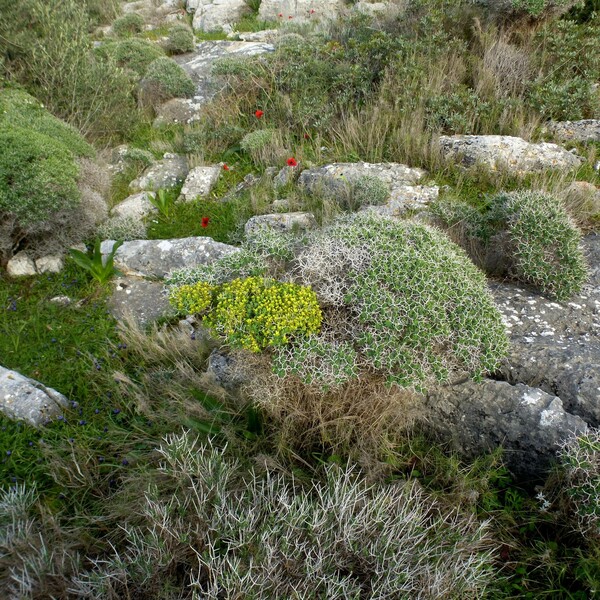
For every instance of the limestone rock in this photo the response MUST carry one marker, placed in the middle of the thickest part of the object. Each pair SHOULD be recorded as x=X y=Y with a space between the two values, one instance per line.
x=478 y=417
x=25 y=399
x=299 y=10
x=406 y=198
x=49 y=264
x=156 y=258
x=280 y=222
x=164 y=174
x=136 y=206
x=503 y=152
x=177 y=110
x=200 y=181
x=20 y=265
x=144 y=300
x=266 y=35
x=587 y=130
x=213 y=15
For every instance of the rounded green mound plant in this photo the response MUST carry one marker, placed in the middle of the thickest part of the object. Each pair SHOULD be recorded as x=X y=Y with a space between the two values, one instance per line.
x=368 y=190
x=252 y=313
x=128 y=25
x=165 y=79
x=255 y=141
x=180 y=39
x=408 y=299
x=132 y=53
x=545 y=243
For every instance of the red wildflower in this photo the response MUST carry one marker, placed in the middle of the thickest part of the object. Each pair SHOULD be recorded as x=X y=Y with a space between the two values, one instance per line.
x=204 y=222
x=312 y=11
x=225 y=168
x=292 y=162
x=280 y=15
x=290 y=17
x=306 y=136
x=258 y=114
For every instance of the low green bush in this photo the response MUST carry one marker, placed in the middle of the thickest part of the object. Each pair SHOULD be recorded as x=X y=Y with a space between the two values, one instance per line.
x=180 y=39
x=127 y=25
x=165 y=79
x=132 y=53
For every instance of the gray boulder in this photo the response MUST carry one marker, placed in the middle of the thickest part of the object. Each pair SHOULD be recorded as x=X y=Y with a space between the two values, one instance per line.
x=406 y=197
x=299 y=10
x=200 y=181
x=141 y=299
x=156 y=258
x=177 y=110
x=214 y=15
x=478 y=417
x=136 y=206
x=164 y=174
x=296 y=221
x=25 y=399
x=506 y=153
x=587 y=130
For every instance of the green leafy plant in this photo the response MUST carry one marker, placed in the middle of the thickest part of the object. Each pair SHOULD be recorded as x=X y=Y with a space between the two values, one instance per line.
x=100 y=269
x=128 y=25
x=180 y=39
x=165 y=79
x=163 y=201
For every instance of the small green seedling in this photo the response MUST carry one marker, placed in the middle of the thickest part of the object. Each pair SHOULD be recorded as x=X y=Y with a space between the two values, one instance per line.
x=101 y=270
x=163 y=202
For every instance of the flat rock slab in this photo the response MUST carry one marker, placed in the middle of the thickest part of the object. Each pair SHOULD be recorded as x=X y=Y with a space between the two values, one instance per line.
x=587 y=130
x=300 y=10
x=556 y=345
x=141 y=299
x=300 y=221
x=28 y=400
x=406 y=198
x=479 y=417
x=136 y=206
x=156 y=258
x=506 y=153
x=214 y=15
x=167 y=173
x=200 y=181
x=199 y=64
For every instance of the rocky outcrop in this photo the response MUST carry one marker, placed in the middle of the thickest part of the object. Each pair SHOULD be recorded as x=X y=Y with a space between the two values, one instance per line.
x=299 y=10
x=199 y=64
x=405 y=198
x=199 y=182
x=25 y=399
x=214 y=15
x=506 y=153
x=296 y=221
x=177 y=110
x=141 y=299
x=136 y=206
x=164 y=174
x=587 y=130
x=156 y=258
x=478 y=417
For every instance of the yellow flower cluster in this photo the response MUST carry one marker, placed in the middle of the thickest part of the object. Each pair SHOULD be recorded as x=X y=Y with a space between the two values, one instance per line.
x=192 y=299
x=255 y=313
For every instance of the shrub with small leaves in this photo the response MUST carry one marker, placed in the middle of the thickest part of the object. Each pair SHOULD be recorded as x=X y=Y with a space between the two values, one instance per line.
x=255 y=142
x=137 y=157
x=165 y=79
x=180 y=39
x=128 y=25
x=546 y=243
x=122 y=228
x=133 y=54
x=192 y=299
x=368 y=190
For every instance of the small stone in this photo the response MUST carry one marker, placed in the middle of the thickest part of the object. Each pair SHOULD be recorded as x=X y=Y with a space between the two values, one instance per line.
x=280 y=222
x=49 y=264
x=20 y=265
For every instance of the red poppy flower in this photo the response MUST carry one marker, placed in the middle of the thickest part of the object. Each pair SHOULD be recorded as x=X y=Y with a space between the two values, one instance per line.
x=280 y=15
x=312 y=11
x=225 y=168
x=258 y=114
x=306 y=136
x=292 y=162
x=204 y=222
x=290 y=17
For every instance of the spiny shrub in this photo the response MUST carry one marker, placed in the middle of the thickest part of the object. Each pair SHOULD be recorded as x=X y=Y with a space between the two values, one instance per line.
x=530 y=8
x=252 y=313
x=546 y=243
x=415 y=307
x=579 y=459
x=180 y=39
x=368 y=190
x=122 y=228
x=133 y=53
x=128 y=25
x=165 y=79
x=333 y=538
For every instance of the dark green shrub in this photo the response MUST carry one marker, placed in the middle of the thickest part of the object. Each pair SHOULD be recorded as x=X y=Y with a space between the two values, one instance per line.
x=165 y=79
x=128 y=25
x=133 y=53
x=180 y=39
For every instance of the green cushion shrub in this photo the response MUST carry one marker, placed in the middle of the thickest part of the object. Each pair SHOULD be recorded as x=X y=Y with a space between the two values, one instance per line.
x=165 y=79
x=132 y=53
x=128 y=25
x=180 y=39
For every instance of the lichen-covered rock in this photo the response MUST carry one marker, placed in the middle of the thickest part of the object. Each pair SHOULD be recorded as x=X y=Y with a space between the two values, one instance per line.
x=25 y=399
x=407 y=198
x=479 y=417
x=156 y=258
x=177 y=110
x=21 y=265
x=506 y=153
x=300 y=221
x=213 y=15
x=164 y=174
x=141 y=299
x=587 y=130
x=136 y=206
x=300 y=10
x=199 y=182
